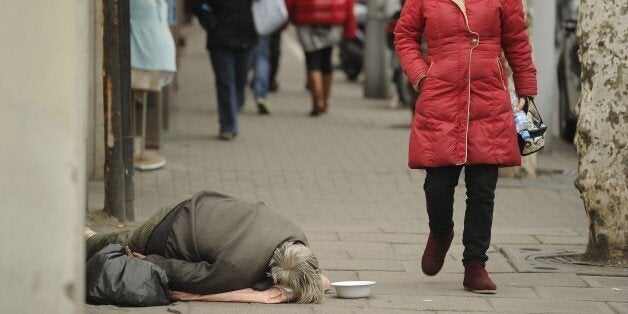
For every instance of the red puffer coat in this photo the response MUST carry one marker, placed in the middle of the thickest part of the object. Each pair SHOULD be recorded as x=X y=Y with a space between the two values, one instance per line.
x=463 y=115
x=323 y=12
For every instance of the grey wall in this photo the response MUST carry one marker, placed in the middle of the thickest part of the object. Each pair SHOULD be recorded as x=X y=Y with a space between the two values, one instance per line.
x=44 y=60
x=544 y=53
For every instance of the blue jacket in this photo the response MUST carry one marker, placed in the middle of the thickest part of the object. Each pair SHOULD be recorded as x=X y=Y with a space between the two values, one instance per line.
x=152 y=45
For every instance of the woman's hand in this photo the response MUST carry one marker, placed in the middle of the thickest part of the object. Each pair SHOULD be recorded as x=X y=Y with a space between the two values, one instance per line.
x=522 y=102
x=419 y=84
x=133 y=254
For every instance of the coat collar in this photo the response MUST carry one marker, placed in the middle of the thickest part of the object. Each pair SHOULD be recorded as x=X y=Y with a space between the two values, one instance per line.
x=463 y=9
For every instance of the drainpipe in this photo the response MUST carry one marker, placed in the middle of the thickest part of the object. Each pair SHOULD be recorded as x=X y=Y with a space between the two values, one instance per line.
x=126 y=106
x=114 y=164
x=376 y=60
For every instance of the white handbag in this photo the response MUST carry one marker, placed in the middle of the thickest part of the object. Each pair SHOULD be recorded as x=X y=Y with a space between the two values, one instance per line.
x=269 y=15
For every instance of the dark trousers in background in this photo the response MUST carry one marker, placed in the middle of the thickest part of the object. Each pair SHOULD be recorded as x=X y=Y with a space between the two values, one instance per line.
x=275 y=53
x=319 y=60
x=230 y=70
x=481 y=181
x=260 y=61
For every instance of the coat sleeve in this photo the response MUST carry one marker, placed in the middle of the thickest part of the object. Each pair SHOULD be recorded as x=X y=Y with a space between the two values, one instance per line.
x=350 y=26
x=200 y=278
x=517 y=48
x=407 y=41
x=290 y=9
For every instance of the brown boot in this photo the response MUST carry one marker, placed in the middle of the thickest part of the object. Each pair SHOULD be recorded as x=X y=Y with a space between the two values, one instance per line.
x=435 y=253
x=476 y=278
x=327 y=82
x=315 y=81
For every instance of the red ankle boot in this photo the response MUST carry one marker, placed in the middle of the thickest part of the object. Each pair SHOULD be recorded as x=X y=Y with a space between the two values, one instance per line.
x=435 y=253
x=476 y=278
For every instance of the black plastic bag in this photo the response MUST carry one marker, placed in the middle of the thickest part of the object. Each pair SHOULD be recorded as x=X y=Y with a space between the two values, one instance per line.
x=112 y=277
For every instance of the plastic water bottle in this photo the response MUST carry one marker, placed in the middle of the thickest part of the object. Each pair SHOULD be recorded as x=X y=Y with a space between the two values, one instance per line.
x=521 y=122
x=521 y=118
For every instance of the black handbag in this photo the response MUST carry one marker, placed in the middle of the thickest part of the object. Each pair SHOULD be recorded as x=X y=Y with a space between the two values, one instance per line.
x=536 y=128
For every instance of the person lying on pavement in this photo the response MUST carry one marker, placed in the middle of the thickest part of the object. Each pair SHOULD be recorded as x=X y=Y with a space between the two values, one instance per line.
x=212 y=243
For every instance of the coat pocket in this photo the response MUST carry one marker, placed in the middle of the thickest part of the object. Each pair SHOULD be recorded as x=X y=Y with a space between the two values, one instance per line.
x=426 y=78
x=500 y=71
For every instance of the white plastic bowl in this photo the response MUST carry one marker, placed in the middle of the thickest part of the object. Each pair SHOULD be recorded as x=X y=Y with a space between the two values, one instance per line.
x=353 y=289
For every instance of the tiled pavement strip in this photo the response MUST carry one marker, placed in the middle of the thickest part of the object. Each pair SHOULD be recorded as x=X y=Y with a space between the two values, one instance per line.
x=343 y=178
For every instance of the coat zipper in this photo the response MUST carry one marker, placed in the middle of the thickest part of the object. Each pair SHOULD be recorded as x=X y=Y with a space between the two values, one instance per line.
x=462 y=8
x=501 y=74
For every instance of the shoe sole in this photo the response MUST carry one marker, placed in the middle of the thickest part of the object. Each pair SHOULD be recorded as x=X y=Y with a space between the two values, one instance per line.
x=431 y=275
x=262 y=109
x=481 y=291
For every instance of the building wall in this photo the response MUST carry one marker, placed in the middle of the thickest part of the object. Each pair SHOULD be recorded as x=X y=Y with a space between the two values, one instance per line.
x=544 y=53
x=44 y=70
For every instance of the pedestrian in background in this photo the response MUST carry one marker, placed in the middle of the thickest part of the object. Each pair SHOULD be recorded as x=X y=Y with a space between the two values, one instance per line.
x=261 y=64
x=321 y=24
x=231 y=36
x=463 y=117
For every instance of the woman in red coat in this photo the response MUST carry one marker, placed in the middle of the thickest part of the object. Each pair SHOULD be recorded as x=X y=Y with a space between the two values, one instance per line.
x=321 y=24
x=463 y=117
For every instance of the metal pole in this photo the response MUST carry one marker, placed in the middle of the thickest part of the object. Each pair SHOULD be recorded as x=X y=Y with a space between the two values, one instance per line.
x=376 y=80
x=114 y=165
x=127 y=107
x=144 y=118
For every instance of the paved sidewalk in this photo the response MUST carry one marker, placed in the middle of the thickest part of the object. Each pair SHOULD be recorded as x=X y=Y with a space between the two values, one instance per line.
x=343 y=178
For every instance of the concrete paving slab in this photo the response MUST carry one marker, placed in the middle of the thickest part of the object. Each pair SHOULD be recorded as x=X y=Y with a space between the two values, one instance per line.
x=372 y=255
x=431 y=303
x=382 y=237
x=560 y=240
x=538 y=280
x=345 y=246
x=606 y=282
x=330 y=253
x=454 y=249
x=589 y=294
x=336 y=275
x=352 y=264
x=548 y=306
x=618 y=307
x=501 y=239
x=332 y=301
x=336 y=228
x=405 y=229
x=322 y=236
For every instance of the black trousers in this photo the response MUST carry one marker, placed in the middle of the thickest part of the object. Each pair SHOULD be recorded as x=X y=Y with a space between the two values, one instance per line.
x=275 y=53
x=439 y=187
x=319 y=60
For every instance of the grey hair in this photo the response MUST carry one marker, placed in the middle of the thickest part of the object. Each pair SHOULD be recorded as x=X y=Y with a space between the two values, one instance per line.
x=295 y=269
